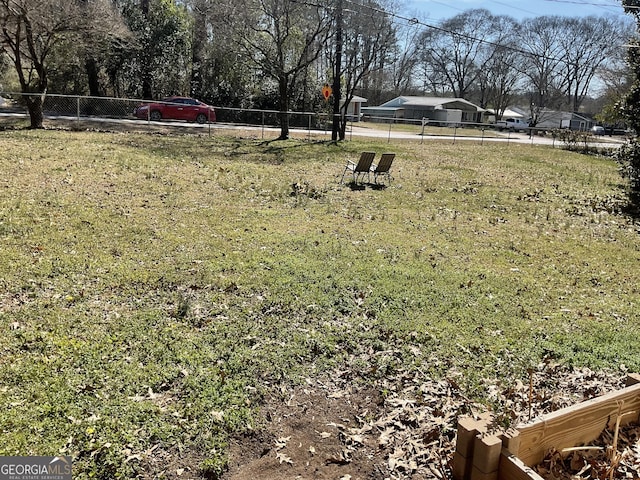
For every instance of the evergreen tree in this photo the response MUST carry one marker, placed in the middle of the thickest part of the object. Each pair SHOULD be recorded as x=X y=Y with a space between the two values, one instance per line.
x=629 y=154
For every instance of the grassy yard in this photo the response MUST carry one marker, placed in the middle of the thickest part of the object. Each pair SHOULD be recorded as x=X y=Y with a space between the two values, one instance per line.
x=154 y=287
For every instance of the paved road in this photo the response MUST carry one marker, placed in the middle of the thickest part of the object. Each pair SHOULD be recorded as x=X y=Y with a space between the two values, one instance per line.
x=502 y=137
x=370 y=130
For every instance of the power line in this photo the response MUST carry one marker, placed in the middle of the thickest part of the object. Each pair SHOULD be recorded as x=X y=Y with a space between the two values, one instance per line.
x=578 y=2
x=594 y=4
x=416 y=21
x=514 y=7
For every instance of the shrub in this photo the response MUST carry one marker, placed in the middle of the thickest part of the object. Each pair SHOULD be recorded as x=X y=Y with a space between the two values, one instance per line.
x=628 y=156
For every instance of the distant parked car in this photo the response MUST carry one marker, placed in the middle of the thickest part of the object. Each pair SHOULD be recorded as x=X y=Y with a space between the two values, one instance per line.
x=176 y=108
x=512 y=124
x=597 y=130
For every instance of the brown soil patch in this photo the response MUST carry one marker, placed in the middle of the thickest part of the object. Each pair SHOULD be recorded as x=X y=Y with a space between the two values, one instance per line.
x=332 y=429
x=307 y=436
x=344 y=428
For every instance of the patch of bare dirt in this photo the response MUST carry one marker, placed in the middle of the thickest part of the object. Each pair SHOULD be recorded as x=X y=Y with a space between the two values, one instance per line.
x=340 y=428
x=313 y=433
x=345 y=428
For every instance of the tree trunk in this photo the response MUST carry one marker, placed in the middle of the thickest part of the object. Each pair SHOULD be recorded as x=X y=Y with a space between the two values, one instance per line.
x=34 y=106
x=342 y=121
x=91 y=68
x=147 y=86
x=198 y=51
x=343 y=128
x=284 y=107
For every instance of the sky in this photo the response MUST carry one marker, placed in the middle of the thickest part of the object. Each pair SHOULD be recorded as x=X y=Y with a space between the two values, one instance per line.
x=435 y=10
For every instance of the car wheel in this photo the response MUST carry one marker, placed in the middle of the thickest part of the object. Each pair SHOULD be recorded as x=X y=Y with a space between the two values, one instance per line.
x=201 y=118
x=155 y=115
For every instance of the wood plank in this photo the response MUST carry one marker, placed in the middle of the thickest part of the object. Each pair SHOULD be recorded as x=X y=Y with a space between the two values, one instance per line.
x=576 y=425
x=512 y=468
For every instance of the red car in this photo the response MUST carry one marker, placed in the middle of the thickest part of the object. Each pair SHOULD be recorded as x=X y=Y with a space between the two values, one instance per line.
x=176 y=108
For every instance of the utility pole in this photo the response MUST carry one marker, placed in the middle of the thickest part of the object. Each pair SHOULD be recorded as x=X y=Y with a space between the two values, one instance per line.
x=337 y=74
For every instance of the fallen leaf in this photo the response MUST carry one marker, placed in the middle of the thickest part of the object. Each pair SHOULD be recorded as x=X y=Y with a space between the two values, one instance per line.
x=386 y=436
x=282 y=442
x=283 y=458
x=217 y=416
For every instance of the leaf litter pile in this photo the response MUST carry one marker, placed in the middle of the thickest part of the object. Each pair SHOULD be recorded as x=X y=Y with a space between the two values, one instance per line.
x=612 y=455
x=404 y=425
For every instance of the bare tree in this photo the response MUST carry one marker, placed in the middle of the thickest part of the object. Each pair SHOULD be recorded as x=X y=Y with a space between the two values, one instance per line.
x=616 y=77
x=586 y=46
x=453 y=53
x=498 y=77
x=369 y=40
x=33 y=29
x=502 y=79
x=541 y=38
x=404 y=56
x=282 y=38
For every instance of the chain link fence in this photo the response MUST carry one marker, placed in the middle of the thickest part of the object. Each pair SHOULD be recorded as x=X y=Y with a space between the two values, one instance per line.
x=84 y=112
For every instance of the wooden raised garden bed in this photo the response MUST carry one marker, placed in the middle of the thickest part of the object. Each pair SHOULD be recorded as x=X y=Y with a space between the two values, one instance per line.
x=510 y=455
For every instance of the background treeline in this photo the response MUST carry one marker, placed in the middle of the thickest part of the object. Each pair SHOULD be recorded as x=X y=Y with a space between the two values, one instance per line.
x=277 y=54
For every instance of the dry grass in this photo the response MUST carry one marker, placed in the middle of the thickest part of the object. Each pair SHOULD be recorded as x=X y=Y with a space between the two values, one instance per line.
x=153 y=287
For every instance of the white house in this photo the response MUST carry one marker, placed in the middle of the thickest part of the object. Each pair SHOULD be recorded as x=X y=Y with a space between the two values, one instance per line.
x=354 y=109
x=509 y=112
x=435 y=109
x=557 y=119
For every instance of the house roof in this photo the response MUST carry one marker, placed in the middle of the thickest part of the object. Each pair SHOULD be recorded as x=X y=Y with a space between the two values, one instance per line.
x=434 y=102
x=564 y=115
x=511 y=112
